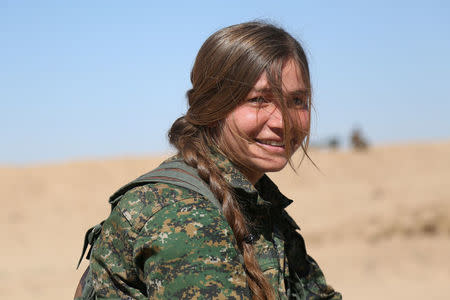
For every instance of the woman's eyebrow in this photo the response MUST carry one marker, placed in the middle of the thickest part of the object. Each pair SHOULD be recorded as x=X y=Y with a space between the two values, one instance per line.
x=262 y=90
x=299 y=92
x=268 y=91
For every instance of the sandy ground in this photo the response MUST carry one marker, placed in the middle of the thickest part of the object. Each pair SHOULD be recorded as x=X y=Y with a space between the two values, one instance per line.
x=378 y=222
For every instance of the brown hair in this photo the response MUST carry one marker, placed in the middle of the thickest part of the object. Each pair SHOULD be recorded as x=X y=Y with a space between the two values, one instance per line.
x=226 y=68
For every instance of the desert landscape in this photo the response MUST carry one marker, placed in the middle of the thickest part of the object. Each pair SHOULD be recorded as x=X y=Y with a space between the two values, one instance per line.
x=377 y=221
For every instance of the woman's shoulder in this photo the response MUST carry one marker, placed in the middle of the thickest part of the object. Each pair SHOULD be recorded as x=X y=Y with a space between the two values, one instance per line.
x=140 y=204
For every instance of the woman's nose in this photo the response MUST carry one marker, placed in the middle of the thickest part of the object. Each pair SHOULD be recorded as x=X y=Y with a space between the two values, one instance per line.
x=275 y=118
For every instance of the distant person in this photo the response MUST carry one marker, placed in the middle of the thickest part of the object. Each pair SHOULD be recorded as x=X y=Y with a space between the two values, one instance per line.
x=333 y=143
x=358 y=141
x=209 y=224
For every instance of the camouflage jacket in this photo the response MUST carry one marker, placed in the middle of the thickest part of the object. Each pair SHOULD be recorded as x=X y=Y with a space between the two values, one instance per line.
x=163 y=241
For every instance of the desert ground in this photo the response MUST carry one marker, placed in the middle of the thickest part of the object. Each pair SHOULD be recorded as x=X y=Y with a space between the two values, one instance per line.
x=378 y=222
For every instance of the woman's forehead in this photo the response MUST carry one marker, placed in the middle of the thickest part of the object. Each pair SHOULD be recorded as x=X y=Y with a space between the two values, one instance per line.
x=291 y=78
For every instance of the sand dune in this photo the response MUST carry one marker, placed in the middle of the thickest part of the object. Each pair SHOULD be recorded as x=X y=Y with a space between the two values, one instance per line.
x=378 y=222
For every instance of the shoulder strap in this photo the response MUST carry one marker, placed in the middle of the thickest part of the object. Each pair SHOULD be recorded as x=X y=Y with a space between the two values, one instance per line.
x=175 y=172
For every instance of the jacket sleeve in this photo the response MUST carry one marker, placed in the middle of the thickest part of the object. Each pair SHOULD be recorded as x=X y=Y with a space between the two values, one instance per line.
x=185 y=251
x=315 y=284
x=305 y=280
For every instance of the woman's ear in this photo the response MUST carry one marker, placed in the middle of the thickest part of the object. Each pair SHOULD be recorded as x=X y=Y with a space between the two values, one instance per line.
x=216 y=125
x=213 y=124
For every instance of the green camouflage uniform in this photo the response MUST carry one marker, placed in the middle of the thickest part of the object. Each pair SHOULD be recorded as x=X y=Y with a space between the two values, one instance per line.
x=163 y=241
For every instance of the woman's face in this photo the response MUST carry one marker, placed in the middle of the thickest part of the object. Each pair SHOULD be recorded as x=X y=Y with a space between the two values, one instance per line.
x=254 y=129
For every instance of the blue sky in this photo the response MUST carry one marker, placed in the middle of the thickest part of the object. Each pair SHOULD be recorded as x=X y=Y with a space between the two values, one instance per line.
x=91 y=79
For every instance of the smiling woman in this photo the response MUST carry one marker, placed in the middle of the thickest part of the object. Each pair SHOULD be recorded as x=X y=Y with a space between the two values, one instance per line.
x=208 y=223
x=259 y=120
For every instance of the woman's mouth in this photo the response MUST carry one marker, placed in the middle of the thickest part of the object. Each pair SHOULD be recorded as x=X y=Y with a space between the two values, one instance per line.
x=272 y=145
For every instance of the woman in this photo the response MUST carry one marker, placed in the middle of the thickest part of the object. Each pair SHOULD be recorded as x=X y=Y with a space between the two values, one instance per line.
x=249 y=111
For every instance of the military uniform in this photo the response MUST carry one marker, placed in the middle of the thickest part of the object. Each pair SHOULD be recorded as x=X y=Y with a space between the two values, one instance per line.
x=163 y=241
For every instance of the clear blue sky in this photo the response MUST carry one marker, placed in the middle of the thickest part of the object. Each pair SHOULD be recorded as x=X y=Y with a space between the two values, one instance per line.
x=90 y=79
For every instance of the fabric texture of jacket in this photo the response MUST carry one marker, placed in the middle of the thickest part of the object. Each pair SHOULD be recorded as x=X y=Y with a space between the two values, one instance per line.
x=163 y=241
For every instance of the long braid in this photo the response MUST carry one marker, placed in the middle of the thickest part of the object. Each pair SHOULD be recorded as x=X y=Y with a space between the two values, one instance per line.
x=187 y=139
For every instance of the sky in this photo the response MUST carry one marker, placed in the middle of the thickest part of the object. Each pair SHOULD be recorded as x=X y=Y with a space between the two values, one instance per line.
x=96 y=79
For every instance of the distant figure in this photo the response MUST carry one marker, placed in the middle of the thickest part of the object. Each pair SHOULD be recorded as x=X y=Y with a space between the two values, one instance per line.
x=208 y=223
x=358 y=141
x=333 y=143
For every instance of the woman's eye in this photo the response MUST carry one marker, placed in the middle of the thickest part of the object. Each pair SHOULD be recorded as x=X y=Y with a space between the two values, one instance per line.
x=259 y=99
x=300 y=102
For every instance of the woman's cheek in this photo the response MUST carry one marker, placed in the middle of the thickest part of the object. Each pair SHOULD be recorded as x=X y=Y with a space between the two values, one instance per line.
x=249 y=121
x=304 y=121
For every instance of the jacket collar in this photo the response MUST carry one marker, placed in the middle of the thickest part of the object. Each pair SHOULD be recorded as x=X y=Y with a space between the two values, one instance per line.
x=264 y=194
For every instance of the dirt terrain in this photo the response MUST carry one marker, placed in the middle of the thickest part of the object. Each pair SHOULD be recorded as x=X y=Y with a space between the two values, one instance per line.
x=378 y=222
